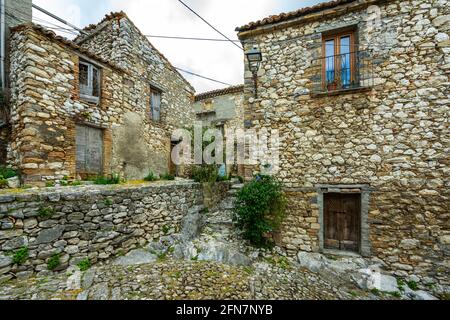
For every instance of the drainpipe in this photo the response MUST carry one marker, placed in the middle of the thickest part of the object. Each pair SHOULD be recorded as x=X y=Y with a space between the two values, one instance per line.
x=3 y=43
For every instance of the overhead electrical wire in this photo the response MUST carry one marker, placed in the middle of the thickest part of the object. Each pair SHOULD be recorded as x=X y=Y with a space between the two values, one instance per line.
x=209 y=24
x=190 y=38
x=75 y=32
x=200 y=76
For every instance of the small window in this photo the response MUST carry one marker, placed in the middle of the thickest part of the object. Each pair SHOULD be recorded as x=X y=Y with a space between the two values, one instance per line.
x=155 y=104
x=89 y=82
x=339 y=69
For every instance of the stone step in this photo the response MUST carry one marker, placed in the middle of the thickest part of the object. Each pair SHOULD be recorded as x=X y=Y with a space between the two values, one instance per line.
x=237 y=186
x=227 y=204
x=196 y=209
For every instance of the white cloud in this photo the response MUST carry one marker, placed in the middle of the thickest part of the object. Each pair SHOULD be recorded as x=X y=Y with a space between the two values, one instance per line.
x=221 y=60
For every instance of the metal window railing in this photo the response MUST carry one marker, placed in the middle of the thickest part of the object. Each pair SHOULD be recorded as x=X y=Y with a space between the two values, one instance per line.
x=342 y=72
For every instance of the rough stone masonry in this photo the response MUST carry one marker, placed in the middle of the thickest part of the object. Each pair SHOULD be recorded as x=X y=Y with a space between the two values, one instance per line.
x=47 y=106
x=387 y=141
x=94 y=223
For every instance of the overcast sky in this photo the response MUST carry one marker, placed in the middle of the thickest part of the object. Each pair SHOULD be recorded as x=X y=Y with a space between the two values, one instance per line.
x=221 y=60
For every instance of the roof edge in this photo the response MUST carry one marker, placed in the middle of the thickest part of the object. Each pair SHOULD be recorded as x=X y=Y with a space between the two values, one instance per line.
x=66 y=42
x=282 y=17
x=122 y=15
x=219 y=92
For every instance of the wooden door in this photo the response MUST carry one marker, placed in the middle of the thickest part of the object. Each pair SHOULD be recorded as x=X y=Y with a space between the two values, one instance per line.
x=89 y=144
x=342 y=221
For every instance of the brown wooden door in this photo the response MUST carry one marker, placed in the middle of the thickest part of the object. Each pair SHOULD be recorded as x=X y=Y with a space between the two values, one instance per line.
x=342 y=221
x=89 y=142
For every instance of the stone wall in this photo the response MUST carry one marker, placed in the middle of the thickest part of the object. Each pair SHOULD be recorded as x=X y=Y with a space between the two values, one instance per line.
x=46 y=107
x=89 y=222
x=223 y=108
x=118 y=40
x=392 y=137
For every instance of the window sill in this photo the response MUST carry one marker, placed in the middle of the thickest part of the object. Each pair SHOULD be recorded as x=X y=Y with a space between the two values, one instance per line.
x=340 y=92
x=90 y=99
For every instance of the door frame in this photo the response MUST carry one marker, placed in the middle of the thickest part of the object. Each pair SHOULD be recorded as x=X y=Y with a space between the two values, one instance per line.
x=364 y=191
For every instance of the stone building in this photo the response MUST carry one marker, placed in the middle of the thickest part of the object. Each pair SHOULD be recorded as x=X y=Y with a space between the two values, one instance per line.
x=105 y=103
x=222 y=109
x=359 y=91
x=12 y=12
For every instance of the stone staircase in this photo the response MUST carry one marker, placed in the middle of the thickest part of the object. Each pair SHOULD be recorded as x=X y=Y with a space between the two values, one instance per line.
x=220 y=220
x=204 y=236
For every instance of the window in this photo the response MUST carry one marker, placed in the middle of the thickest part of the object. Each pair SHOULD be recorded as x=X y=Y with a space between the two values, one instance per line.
x=89 y=82
x=155 y=104
x=339 y=66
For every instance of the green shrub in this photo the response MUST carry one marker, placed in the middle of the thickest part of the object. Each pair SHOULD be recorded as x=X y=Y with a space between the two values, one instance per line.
x=151 y=177
x=224 y=178
x=165 y=230
x=84 y=264
x=76 y=183
x=413 y=285
x=167 y=177
x=260 y=210
x=113 y=179
x=205 y=173
x=46 y=212
x=8 y=172
x=20 y=256
x=49 y=184
x=54 y=262
x=3 y=182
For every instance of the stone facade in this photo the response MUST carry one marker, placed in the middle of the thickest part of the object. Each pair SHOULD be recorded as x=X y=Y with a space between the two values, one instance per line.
x=46 y=105
x=85 y=222
x=386 y=141
x=223 y=109
x=118 y=40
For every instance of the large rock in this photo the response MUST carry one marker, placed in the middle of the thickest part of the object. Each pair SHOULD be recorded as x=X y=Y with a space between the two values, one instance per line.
x=5 y=261
x=136 y=257
x=74 y=279
x=212 y=250
x=314 y=262
x=99 y=292
x=14 y=183
x=50 y=235
x=15 y=243
x=420 y=295
x=192 y=224
x=223 y=253
x=372 y=278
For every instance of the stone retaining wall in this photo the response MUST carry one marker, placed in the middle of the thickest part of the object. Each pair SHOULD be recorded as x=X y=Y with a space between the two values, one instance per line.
x=88 y=222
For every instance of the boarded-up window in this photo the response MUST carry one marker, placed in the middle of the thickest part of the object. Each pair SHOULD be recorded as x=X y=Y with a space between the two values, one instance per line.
x=89 y=145
x=155 y=104
x=89 y=82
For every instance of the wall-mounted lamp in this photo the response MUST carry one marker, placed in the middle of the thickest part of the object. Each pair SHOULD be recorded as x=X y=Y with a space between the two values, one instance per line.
x=254 y=58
